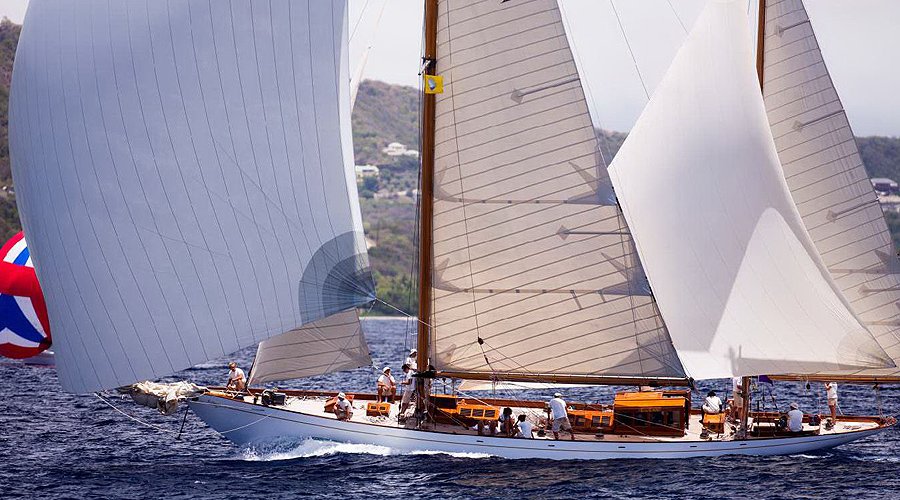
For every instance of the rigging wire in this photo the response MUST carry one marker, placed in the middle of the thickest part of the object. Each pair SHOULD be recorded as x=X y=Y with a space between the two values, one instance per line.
x=683 y=28
x=132 y=417
x=630 y=51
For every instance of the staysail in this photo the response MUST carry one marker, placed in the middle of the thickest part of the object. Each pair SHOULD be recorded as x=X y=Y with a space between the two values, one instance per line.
x=184 y=172
x=330 y=344
x=826 y=175
x=534 y=269
x=735 y=273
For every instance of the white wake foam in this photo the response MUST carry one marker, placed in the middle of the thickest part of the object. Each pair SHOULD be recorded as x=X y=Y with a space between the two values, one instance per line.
x=315 y=448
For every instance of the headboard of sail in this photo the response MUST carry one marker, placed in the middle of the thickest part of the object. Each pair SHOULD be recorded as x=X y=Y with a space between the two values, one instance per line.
x=184 y=171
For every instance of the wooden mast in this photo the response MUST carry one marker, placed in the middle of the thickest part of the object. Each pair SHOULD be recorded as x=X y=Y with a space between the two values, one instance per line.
x=760 y=66
x=426 y=201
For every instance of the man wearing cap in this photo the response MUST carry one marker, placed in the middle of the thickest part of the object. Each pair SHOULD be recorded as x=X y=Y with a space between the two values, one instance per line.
x=795 y=418
x=409 y=387
x=236 y=379
x=559 y=416
x=387 y=386
x=411 y=360
x=343 y=409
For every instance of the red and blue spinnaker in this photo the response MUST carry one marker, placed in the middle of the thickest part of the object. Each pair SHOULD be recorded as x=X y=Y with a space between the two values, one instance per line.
x=24 y=325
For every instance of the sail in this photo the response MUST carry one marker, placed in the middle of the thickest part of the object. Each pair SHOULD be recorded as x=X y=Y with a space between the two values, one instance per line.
x=534 y=269
x=328 y=345
x=734 y=271
x=826 y=175
x=24 y=326
x=184 y=172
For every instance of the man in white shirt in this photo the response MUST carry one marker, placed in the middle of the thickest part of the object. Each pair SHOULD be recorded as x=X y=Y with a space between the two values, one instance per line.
x=524 y=428
x=409 y=387
x=236 y=379
x=795 y=418
x=411 y=360
x=343 y=408
x=387 y=386
x=712 y=405
x=559 y=417
x=831 y=394
x=737 y=409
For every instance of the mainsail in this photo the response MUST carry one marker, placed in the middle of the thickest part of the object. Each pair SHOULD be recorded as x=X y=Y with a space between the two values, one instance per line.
x=826 y=175
x=534 y=268
x=735 y=273
x=184 y=171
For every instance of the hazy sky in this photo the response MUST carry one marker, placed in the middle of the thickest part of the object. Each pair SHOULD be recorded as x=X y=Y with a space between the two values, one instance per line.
x=860 y=40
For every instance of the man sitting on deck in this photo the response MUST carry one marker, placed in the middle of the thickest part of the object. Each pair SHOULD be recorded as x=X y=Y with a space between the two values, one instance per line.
x=795 y=418
x=559 y=416
x=343 y=408
x=237 y=381
x=387 y=386
x=524 y=427
x=712 y=405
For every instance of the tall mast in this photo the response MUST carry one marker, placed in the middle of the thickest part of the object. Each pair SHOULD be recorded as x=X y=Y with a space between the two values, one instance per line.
x=761 y=42
x=760 y=64
x=426 y=198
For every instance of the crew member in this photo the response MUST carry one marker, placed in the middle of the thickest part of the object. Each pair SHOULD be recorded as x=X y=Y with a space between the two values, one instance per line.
x=237 y=381
x=411 y=360
x=387 y=386
x=831 y=394
x=559 y=417
x=795 y=418
x=712 y=405
x=737 y=408
x=507 y=424
x=343 y=408
x=524 y=428
x=409 y=387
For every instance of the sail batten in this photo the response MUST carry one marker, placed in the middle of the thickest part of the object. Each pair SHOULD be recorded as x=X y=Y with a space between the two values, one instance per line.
x=534 y=270
x=186 y=170
x=827 y=178
x=736 y=275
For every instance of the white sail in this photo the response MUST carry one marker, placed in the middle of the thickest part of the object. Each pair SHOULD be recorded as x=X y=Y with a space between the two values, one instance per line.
x=736 y=276
x=826 y=175
x=184 y=171
x=534 y=267
x=328 y=345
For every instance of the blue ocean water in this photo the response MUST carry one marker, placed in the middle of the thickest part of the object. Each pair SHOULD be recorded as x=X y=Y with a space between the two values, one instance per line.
x=55 y=445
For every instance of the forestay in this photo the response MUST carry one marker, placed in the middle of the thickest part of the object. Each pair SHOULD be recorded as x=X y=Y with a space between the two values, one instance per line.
x=184 y=171
x=826 y=175
x=531 y=255
x=736 y=276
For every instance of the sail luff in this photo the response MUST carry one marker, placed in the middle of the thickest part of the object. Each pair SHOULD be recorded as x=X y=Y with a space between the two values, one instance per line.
x=827 y=178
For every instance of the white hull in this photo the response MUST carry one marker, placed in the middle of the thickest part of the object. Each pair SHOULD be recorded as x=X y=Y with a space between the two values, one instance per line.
x=248 y=424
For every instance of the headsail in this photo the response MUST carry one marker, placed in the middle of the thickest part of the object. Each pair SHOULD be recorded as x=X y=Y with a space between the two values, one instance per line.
x=534 y=269
x=330 y=344
x=826 y=175
x=184 y=171
x=737 y=277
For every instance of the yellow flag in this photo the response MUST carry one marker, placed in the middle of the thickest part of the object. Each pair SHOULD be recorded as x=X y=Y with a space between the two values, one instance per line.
x=434 y=84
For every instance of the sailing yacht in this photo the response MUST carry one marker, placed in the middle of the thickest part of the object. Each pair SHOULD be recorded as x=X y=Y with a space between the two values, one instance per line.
x=200 y=154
